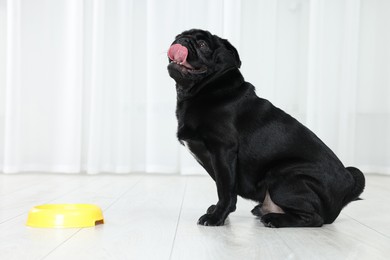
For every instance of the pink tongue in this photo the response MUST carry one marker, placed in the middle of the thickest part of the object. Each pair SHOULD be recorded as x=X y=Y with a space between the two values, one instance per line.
x=178 y=52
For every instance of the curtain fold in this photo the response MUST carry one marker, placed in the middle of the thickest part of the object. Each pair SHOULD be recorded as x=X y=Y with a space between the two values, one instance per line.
x=84 y=85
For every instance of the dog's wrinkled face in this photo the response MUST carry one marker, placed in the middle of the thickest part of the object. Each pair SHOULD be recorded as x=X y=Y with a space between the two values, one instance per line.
x=197 y=54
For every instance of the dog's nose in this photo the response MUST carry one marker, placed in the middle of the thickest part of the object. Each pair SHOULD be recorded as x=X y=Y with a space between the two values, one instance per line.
x=178 y=53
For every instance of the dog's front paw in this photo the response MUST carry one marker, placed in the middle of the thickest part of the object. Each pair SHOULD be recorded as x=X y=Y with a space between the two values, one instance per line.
x=211 y=220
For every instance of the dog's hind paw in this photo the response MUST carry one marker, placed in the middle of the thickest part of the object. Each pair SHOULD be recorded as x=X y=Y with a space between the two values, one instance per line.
x=257 y=211
x=269 y=220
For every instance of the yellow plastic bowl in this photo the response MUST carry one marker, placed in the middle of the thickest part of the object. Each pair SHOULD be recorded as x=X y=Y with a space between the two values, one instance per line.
x=65 y=216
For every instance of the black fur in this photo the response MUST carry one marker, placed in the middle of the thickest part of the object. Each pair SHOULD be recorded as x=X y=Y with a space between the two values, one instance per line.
x=249 y=147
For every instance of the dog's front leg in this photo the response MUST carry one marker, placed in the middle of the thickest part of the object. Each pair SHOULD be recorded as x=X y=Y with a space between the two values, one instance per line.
x=224 y=162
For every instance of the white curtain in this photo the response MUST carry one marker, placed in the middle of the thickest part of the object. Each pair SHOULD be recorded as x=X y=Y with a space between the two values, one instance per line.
x=84 y=86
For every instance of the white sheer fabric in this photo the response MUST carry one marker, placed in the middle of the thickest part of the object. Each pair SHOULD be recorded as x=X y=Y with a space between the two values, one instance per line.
x=84 y=86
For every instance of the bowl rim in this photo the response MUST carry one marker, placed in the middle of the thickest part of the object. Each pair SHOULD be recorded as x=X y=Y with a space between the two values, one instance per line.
x=65 y=215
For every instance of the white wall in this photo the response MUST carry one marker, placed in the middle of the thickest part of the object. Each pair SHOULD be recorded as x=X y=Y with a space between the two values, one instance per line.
x=86 y=87
x=2 y=72
x=373 y=99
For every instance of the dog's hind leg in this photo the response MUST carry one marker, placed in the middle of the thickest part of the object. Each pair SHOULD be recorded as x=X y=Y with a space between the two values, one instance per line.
x=290 y=210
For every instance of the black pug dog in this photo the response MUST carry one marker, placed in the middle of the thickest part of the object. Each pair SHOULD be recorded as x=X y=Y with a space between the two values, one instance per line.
x=250 y=147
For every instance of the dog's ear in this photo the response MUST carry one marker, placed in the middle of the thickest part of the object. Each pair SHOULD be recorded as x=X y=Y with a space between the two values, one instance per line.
x=233 y=50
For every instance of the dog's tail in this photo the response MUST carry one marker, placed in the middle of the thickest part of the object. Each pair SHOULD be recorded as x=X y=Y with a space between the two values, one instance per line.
x=357 y=187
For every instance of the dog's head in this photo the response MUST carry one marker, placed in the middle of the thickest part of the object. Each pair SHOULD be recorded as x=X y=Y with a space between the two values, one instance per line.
x=196 y=55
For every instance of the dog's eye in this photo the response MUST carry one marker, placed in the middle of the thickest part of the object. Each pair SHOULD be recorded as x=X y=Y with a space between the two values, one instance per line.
x=202 y=44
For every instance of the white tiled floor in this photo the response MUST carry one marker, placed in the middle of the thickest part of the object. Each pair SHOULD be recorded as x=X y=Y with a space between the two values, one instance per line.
x=154 y=217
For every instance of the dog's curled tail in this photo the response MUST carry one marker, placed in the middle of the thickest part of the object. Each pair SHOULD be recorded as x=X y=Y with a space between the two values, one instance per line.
x=358 y=185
